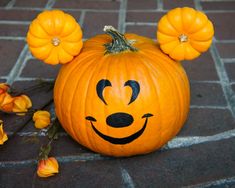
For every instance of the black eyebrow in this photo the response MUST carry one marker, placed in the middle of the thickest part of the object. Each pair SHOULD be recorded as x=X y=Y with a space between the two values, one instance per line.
x=100 y=87
x=135 y=86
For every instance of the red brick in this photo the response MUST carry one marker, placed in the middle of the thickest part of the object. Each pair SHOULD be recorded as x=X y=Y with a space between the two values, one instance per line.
x=202 y=68
x=91 y=4
x=140 y=4
x=183 y=167
x=224 y=25
x=17 y=144
x=170 y=4
x=207 y=94
x=18 y=15
x=144 y=30
x=230 y=68
x=75 y=14
x=13 y=30
x=226 y=50
x=152 y=17
x=9 y=53
x=3 y=3
x=94 y=22
x=42 y=70
x=233 y=87
x=30 y=3
x=220 y=5
x=207 y=122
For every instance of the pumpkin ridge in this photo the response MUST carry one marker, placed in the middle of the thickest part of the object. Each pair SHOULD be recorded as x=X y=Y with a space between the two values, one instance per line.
x=64 y=80
x=200 y=27
x=149 y=65
x=186 y=85
x=77 y=29
x=89 y=142
x=183 y=12
x=35 y=49
x=172 y=24
x=69 y=119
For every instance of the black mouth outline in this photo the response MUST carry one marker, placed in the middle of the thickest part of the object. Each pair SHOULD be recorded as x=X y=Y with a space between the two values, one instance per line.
x=124 y=140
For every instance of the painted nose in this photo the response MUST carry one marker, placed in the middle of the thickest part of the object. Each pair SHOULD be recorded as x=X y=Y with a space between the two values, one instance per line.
x=119 y=120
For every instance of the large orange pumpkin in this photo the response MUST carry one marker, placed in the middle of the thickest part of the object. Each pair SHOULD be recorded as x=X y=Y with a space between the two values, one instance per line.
x=122 y=95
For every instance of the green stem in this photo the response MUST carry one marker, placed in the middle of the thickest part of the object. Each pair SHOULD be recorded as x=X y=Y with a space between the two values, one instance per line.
x=119 y=42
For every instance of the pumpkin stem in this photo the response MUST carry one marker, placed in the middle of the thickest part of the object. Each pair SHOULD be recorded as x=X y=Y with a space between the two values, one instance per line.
x=119 y=42
x=55 y=41
x=183 y=38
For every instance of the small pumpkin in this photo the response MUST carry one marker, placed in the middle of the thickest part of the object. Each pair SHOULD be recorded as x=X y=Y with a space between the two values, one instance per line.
x=121 y=95
x=54 y=37
x=184 y=33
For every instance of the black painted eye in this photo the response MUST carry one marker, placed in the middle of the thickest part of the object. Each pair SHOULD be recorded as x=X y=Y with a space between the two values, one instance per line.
x=100 y=87
x=135 y=86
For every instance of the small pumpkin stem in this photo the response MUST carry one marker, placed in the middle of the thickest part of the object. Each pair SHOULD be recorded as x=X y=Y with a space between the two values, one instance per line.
x=119 y=42
x=183 y=38
x=55 y=41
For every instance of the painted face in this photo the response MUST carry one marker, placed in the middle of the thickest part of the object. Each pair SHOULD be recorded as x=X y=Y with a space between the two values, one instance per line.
x=119 y=119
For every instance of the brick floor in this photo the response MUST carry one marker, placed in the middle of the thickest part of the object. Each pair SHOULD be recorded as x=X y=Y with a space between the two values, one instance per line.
x=201 y=155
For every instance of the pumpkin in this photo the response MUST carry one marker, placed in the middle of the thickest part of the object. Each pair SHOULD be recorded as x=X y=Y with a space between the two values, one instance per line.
x=54 y=37
x=184 y=33
x=122 y=96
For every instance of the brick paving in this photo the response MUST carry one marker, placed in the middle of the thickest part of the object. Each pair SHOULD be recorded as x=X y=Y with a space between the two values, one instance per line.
x=202 y=154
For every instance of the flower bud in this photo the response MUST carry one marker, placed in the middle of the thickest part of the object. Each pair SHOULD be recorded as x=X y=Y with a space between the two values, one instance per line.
x=41 y=119
x=47 y=167
x=6 y=102
x=3 y=135
x=21 y=104
x=3 y=88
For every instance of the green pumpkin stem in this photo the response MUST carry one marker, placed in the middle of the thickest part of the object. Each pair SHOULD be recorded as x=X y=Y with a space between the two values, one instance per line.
x=119 y=42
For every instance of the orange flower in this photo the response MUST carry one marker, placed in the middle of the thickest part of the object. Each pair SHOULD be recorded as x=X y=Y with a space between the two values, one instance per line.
x=6 y=102
x=3 y=135
x=41 y=119
x=5 y=99
x=21 y=104
x=47 y=167
x=3 y=88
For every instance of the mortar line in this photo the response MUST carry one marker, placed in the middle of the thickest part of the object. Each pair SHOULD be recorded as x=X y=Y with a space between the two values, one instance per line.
x=122 y=16
x=113 y=10
x=50 y=4
x=198 y=5
x=11 y=38
x=9 y=22
x=205 y=81
x=33 y=79
x=215 y=0
x=219 y=182
x=126 y=179
x=142 y=23
x=228 y=60
x=209 y=107
x=10 y=4
x=224 y=41
x=187 y=141
x=20 y=61
x=82 y=17
x=227 y=90
x=160 y=5
x=63 y=159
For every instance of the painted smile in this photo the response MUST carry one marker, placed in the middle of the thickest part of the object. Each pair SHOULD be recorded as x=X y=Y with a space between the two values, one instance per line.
x=124 y=140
